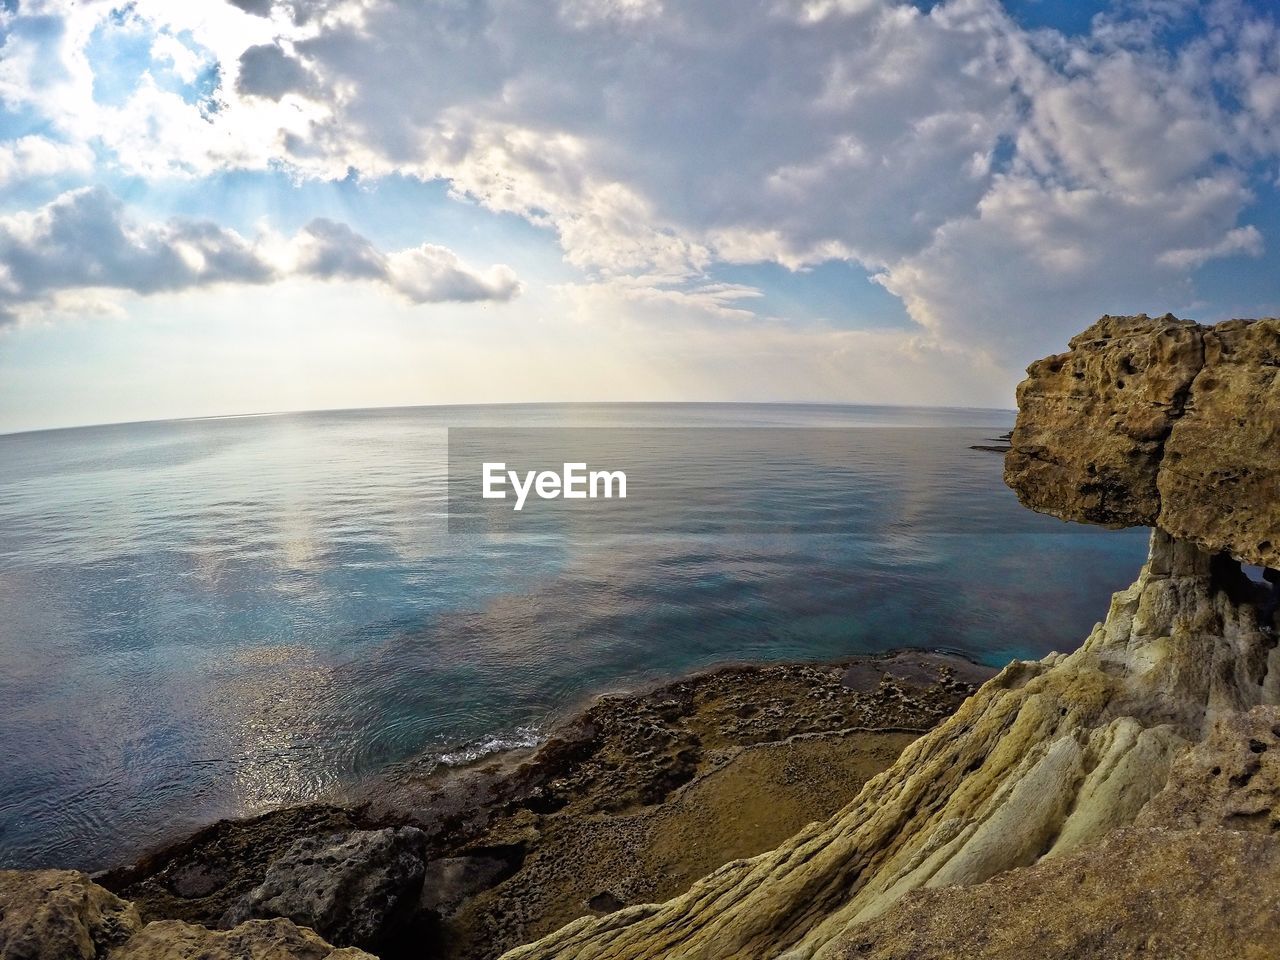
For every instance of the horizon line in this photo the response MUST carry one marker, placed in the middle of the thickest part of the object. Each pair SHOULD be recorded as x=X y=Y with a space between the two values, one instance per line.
x=511 y=403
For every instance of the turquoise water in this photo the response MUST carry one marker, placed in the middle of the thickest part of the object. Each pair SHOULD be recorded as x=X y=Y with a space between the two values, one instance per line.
x=208 y=618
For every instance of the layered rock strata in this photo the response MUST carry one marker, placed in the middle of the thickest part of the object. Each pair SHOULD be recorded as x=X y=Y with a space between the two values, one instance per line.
x=1197 y=876
x=1046 y=758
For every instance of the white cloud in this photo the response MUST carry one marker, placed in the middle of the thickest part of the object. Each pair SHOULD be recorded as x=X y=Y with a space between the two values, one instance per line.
x=1007 y=186
x=32 y=157
x=426 y=274
x=1036 y=260
x=431 y=274
x=85 y=241
x=1247 y=240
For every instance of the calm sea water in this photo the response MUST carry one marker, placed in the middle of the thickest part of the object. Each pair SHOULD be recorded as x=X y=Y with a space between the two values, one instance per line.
x=208 y=618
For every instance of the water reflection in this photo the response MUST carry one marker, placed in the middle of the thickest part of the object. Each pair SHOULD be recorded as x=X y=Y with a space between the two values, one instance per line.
x=206 y=618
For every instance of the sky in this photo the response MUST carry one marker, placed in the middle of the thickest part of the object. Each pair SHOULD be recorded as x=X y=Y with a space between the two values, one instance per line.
x=233 y=206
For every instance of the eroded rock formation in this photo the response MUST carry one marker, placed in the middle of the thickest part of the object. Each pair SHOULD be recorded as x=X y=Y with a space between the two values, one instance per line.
x=60 y=915
x=1045 y=759
x=1198 y=875
x=1158 y=423
x=1143 y=422
x=254 y=940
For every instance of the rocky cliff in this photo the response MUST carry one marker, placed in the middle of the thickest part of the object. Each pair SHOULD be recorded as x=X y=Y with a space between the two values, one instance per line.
x=1153 y=422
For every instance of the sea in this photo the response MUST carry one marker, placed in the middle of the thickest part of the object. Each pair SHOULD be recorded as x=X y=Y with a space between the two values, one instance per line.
x=214 y=617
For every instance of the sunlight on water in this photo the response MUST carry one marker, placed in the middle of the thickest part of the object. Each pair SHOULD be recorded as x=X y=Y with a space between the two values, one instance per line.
x=206 y=618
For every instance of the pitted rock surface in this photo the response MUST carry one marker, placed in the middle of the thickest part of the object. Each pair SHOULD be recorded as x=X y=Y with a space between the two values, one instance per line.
x=353 y=888
x=1158 y=422
x=60 y=915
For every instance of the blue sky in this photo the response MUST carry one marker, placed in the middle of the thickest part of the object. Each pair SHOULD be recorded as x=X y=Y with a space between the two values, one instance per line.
x=224 y=207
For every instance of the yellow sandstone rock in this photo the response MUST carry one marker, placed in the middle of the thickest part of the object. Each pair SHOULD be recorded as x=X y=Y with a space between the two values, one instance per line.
x=60 y=915
x=1158 y=423
x=1045 y=759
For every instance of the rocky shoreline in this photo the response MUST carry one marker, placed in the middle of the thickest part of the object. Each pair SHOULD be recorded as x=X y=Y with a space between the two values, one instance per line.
x=628 y=801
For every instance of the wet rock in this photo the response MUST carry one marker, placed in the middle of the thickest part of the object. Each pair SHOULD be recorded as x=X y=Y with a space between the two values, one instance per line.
x=195 y=880
x=255 y=940
x=1145 y=893
x=357 y=888
x=60 y=915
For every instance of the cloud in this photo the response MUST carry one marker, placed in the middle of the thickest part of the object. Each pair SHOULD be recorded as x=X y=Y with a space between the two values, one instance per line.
x=85 y=240
x=32 y=157
x=1036 y=258
x=431 y=274
x=331 y=250
x=261 y=8
x=1006 y=184
x=267 y=71
x=426 y=274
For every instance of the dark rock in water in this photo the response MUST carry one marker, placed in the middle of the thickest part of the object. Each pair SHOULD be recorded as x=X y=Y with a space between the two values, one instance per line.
x=1000 y=444
x=60 y=915
x=354 y=889
x=913 y=669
